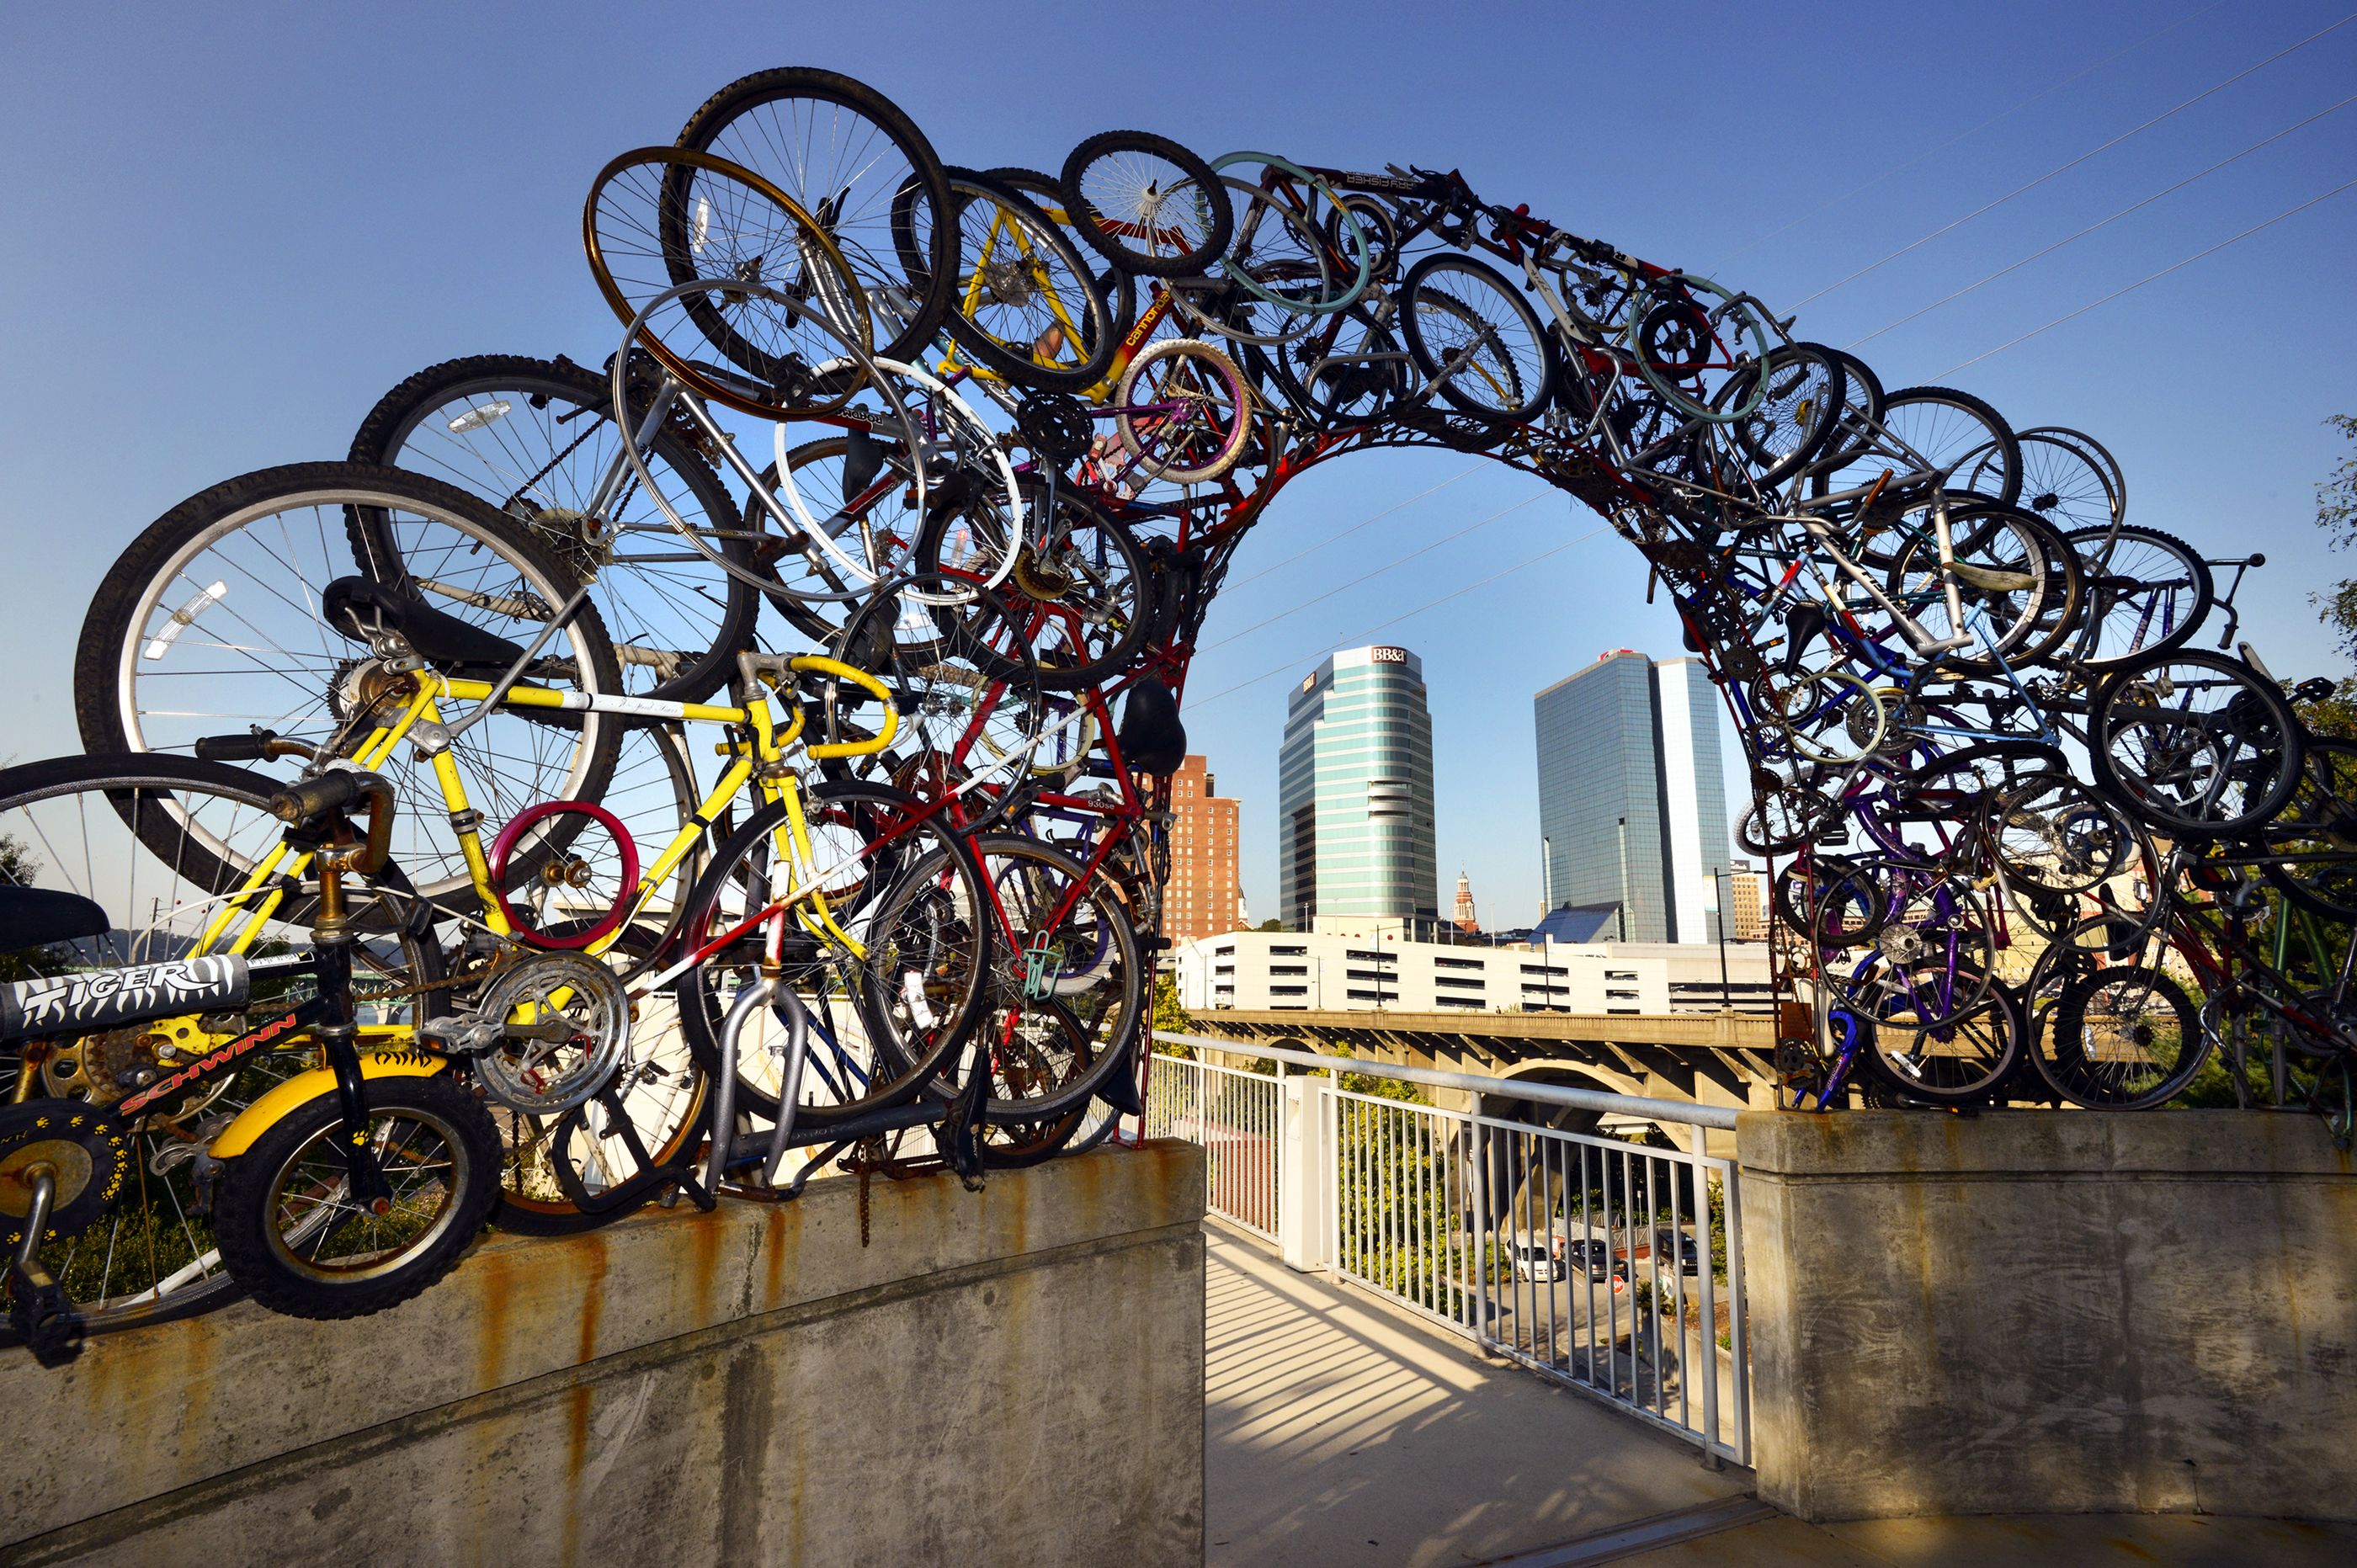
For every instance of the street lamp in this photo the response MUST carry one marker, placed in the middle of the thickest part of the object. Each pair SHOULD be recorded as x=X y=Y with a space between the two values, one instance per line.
x=1718 y=918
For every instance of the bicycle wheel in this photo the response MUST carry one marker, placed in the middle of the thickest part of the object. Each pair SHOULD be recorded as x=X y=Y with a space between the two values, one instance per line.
x=1472 y=333
x=536 y=439
x=1933 y=427
x=1351 y=370
x=2311 y=843
x=1793 y=417
x=785 y=302
x=1183 y=411
x=211 y=623
x=1692 y=340
x=1963 y=1057
x=2001 y=563
x=885 y=1013
x=2147 y=593
x=2054 y=834
x=1296 y=246
x=1147 y=204
x=602 y=1160
x=2198 y=745
x=2068 y=480
x=292 y=1234
x=156 y=840
x=2128 y=1038
x=1048 y=194
x=1065 y=1001
x=850 y=157
x=1025 y=306
x=1080 y=591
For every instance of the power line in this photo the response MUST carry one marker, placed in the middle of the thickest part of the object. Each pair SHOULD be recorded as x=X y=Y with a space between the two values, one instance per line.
x=1966 y=134
x=2090 y=228
x=2082 y=157
x=1292 y=664
x=1354 y=528
x=1364 y=576
x=2164 y=271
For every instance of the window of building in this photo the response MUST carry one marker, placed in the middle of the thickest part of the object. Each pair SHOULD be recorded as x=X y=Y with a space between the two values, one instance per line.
x=1363 y=956
x=1543 y=969
x=1619 y=974
x=1460 y=981
x=1224 y=969
x=1357 y=995
x=1288 y=969
x=1440 y=963
x=1458 y=1001
x=1622 y=995
x=1288 y=990
x=1275 y=952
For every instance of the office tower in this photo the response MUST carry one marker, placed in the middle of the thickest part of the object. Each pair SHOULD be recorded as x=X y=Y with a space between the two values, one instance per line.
x=1632 y=812
x=1354 y=823
x=1202 y=897
x=1747 y=892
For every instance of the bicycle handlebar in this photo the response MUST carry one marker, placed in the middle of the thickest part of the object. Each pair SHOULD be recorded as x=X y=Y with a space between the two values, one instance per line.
x=307 y=804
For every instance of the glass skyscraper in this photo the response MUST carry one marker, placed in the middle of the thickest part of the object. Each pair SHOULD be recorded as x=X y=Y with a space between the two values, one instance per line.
x=1354 y=814
x=1632 y=805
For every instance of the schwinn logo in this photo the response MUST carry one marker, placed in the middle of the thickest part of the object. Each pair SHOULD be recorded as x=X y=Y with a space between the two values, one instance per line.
x=210 y=1063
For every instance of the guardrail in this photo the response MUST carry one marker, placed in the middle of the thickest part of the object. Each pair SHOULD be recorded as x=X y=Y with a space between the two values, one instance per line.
x=1613 y=1266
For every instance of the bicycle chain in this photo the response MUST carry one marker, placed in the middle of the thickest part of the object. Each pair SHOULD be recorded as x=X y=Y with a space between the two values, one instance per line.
x=491 y=970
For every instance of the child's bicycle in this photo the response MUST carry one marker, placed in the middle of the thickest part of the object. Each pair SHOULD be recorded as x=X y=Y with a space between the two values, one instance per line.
x=347 y=1189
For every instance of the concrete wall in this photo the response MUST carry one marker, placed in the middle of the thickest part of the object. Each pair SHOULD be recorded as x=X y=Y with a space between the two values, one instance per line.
x=2051 y=1312
x=1014 y=1377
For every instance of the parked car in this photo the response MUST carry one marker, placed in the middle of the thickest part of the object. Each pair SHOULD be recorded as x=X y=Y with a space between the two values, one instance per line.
x=1596 y=1257
x=1533 y=1262
x=1677 y=1245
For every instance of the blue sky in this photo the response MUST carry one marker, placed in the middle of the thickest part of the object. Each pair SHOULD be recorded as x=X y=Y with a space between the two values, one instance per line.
x=230 y=229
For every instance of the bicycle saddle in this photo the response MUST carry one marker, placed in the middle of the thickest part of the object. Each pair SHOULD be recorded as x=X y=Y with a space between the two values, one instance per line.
x=36 y=916
x=1153 y=738
x=358 y=607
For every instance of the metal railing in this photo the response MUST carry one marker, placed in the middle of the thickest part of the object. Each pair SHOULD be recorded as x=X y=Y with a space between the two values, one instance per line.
x=1611 y=1265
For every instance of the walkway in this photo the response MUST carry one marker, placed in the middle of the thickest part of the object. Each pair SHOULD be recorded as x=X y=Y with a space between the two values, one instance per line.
x=1338 y=1431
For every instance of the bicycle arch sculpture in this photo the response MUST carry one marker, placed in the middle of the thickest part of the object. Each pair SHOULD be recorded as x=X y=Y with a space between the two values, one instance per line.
x=904 y=498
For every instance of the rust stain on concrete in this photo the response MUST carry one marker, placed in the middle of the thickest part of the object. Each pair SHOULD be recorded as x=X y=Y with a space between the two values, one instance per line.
x=706 y=1233
x=491 y=1328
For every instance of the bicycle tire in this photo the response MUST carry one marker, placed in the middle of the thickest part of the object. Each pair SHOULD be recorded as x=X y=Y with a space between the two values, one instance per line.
x=1919 y=1074
x=1218 y=383
x=174 y=1269
x=1077 y=638
x=2079 y=1079
x=1047 y=193
x=2312 y=841
x=726 y=125
x=120 y=635
x=251 y=1186
x=1520 y=382
x=1937 y=422
x=1187 y=253
x=2109 y=586
x=2255 y=717
x=988 y=281
x=901 y=1066
x=1790 y=426
x=396 y=434
x=1075 y=960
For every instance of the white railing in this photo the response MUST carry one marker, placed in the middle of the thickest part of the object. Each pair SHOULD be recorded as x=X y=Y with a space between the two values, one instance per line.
x=1611 y=1265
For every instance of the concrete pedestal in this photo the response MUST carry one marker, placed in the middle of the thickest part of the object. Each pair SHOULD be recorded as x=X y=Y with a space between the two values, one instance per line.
x=2051 y=1312
x=1013 y=1377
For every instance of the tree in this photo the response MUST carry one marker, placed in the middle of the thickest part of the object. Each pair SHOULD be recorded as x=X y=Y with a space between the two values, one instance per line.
x=2336 y=513
x=1270 y=926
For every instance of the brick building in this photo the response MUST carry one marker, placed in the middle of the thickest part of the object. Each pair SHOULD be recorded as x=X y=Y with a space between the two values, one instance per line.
x=1204 y=897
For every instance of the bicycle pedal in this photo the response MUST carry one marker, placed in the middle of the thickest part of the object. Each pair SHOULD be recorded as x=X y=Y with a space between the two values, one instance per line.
x=43 y=1317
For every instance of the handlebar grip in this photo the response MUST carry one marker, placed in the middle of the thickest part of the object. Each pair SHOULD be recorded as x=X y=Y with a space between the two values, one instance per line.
x=252 y=745
x=818 y=664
